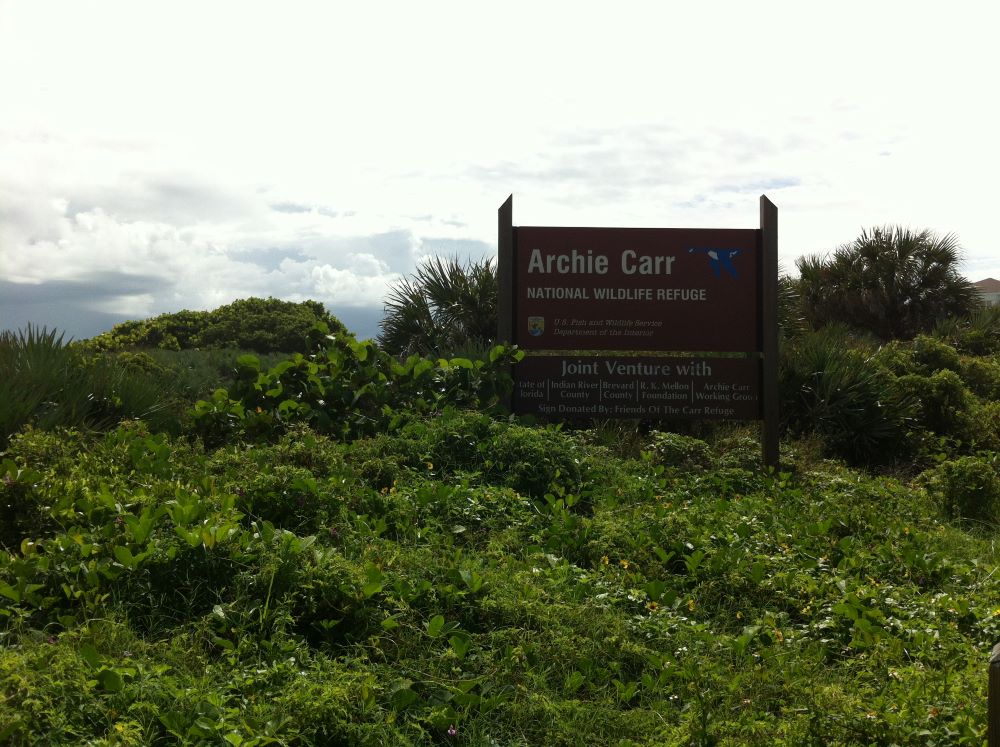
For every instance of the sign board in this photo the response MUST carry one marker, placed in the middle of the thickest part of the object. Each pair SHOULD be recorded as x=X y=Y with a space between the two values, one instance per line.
x=637 y=289
x=638 y=387
x=643 y=322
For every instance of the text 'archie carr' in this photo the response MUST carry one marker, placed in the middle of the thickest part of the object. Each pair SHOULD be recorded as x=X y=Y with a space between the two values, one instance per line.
x=580 y=263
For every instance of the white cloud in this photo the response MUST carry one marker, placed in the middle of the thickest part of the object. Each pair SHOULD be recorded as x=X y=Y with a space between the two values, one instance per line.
x=229 y=149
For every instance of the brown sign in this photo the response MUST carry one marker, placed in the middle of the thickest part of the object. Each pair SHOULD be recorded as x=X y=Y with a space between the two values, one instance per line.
x=593 y=306
x=630 y=387
x=670 y=289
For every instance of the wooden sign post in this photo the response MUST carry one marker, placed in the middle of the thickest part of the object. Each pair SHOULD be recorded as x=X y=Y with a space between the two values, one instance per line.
x=643 y=322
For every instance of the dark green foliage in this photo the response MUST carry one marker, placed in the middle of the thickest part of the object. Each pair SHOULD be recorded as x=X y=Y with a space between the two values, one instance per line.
x=975 y=334
x=944 y=404
x=149 y=603
x=791 y=318
x=48 y=384
x=931 y=355
x=349 y=389
x=843 y=395
x=967 y=487
x=532 y=461
x=892 y=282
x=256 y=324
x=675 y=450
x=982 y=376
x=445 y=309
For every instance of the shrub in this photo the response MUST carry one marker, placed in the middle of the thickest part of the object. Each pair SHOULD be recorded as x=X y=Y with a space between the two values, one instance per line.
x=258 y=324
x=676 y=450
x=943 y=403
x=982 y=376
x=48 y=384
x=932 y=355
x=967 y=487
x=845 y=396
x=976 y=334
x=533 y=461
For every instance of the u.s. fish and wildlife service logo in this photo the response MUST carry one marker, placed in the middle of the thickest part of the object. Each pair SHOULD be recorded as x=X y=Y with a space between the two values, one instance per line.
x=536 y=325
x=719 y=259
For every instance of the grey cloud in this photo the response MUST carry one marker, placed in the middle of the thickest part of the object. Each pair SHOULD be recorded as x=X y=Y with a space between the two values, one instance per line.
x=69 y=305
x=290 y=207
x=174 y=200
x=363 y=321
x=269 y=258
x=301 y=207
x=395 y=248
x=607 y=163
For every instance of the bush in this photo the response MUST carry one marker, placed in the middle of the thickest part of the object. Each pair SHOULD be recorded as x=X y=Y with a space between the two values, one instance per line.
x=843 y=395
x=891 y=282
x=257 y=324
x=967 y=487
x=48 y=384
x=982 y=376
x=675 y=450
x=943 y=403
x=932 y=355
x=533 y=461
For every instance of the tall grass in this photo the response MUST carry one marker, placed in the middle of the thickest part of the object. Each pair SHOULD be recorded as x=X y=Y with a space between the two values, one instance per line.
x=47 y=383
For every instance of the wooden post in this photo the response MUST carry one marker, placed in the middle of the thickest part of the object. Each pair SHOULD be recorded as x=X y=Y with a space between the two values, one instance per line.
x=769 y=328
x=505 y=271
x=505 y=284
x=993 y=702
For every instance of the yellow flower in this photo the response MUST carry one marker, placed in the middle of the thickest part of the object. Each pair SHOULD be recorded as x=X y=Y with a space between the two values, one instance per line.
x=652 y=606
x=604 y=560
x=623 y=563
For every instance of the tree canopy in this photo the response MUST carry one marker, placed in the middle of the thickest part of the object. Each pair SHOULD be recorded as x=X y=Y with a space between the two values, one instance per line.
x=264 y=325
x=891 y=281
x=445 y=308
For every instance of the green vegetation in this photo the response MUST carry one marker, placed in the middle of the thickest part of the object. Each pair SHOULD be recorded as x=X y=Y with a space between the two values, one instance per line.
x=512 y=584
x=445 y=309
x=48 y=384
x=892 y=282
x=341 y=546
x=255 y=324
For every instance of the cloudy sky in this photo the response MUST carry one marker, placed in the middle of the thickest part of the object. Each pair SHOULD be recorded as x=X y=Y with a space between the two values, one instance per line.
x=156 y=156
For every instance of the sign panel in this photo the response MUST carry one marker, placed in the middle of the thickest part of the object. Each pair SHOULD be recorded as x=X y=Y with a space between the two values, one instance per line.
x=645 y=387
x=638 y=289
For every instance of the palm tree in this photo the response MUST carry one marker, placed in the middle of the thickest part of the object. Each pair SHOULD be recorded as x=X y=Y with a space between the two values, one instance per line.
x=890 y=281
x=445 y=308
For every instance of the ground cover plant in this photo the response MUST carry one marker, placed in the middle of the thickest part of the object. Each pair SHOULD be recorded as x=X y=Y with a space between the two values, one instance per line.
x=339 y=546
x=155 y=591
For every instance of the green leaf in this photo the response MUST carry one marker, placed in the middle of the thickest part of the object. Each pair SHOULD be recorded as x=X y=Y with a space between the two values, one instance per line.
x=124 y=556
x=110 y=680
x=435 y=625
x=90 y=655
x=374 y=581
x=460 y=643
x=11 y=729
